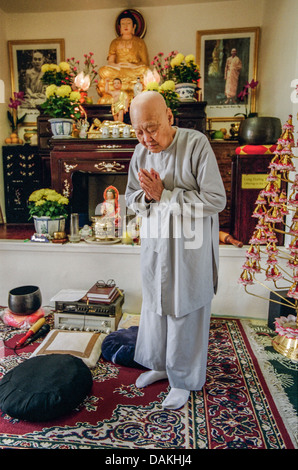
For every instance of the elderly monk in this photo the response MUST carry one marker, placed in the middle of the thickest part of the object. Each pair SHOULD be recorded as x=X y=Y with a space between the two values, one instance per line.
x=232 y=71
x=174 y=184
x=127 y=59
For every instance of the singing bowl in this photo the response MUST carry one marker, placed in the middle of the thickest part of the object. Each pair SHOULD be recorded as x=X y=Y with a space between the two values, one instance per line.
x=24 y=300
x=259 y=130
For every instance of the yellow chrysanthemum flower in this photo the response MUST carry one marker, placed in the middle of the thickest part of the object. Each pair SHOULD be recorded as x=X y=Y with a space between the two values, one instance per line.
x=152 y=86
x=40 y=202
x=36 y=195
x=190 y=58
x=177 y=59
x=54 y=67
x=52 y=197
x=51 y=90
x=63 y=200
x=168 y=85
x=45 y=68
x=63 y=90
x=75 y=96
x=64 y=66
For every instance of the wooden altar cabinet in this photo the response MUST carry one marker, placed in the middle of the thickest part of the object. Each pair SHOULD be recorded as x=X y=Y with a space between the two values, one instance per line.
x=89 y=156
x=112 y=156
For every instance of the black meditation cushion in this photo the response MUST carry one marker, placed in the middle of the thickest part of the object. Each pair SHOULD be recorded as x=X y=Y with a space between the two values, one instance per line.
x=45 y=387
x=119 y=347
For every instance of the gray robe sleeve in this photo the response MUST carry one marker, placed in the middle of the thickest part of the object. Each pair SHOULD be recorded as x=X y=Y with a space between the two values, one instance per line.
x=209 y=189
x=134 y=195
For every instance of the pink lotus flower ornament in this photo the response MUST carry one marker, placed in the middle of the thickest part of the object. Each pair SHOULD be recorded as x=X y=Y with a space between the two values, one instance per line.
x=82 y=82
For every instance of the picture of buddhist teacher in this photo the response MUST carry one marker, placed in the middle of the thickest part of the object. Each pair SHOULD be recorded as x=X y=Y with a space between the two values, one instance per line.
x=232 y=71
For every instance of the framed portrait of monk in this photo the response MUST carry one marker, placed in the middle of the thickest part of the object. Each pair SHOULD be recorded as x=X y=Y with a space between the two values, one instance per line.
x=228 y=60
x=26 y=58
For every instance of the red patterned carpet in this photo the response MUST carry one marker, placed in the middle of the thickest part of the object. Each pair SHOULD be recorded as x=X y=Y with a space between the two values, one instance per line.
x=235 y=410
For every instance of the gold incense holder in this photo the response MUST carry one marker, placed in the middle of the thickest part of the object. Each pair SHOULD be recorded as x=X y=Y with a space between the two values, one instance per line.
x=288 y=347
x=286 y=341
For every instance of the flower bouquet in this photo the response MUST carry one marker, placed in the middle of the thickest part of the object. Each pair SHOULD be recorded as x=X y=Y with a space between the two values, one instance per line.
x=14 y=119
x=167 y=90
x=47 y=203
x=177 y=67
x=184 y=69
x=244 y=94
x=62 y=101
x=178 y=70
x=85 y=78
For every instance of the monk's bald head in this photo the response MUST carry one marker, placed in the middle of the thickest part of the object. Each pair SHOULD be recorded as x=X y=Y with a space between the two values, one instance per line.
x=152 y=120
x=150 y=102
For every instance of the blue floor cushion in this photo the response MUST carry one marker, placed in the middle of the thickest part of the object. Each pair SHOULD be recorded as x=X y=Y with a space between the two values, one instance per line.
x=45 y=387
x=119 y=347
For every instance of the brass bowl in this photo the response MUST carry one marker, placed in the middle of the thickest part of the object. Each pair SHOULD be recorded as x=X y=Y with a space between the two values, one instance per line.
x=59 y=235
x=24 y=300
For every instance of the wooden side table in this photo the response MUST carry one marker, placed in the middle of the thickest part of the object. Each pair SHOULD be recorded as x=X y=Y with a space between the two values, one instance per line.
x=249 y=173
x=224 y=152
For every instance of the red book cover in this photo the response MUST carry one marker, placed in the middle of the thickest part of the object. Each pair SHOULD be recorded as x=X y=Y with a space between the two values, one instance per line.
x=104 y=301
x=101 y=292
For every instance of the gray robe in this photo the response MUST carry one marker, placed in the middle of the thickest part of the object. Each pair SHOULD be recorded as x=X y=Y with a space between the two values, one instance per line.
x=178 y=278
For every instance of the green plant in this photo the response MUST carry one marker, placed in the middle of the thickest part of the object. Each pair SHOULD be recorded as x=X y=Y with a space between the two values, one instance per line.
x=53 y=74
x=167 y=90
x=184 y=69
x=62 y=102
x=47 y=202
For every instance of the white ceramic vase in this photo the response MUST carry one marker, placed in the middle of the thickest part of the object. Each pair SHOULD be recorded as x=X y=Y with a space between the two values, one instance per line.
x=61 y=127
x=186 y=91
x=46 y=225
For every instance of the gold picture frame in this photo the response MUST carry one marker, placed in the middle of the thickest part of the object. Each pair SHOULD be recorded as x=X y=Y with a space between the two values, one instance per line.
x=20 y=53
x=213 y=48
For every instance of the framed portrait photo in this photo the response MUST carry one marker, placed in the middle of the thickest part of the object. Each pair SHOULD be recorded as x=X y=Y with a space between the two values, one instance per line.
x=228 y=60
x=26 y=58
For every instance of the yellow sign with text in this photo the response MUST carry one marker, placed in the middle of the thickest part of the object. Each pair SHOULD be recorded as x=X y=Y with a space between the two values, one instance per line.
x=255 y=181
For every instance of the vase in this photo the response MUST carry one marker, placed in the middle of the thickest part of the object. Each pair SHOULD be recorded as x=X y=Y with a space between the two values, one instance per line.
x=46 y=225
x=259 y=130
x=61 y=127
x=186 y=91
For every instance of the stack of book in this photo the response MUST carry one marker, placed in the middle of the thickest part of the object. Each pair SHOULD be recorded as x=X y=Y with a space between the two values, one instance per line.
x=103 y=295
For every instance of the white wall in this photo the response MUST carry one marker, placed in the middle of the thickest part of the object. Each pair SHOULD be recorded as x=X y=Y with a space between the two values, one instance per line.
x=278 y=60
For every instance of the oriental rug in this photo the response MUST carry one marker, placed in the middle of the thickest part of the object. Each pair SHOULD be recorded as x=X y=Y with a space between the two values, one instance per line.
x=237 y=408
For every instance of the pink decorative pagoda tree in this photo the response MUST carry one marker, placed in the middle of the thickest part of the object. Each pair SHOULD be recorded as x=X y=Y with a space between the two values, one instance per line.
x=264 y=257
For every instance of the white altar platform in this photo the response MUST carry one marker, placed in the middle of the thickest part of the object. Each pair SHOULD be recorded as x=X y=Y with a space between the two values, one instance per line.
x=53 y=267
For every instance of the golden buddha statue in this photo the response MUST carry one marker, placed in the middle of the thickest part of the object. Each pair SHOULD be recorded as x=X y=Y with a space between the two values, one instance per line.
x=127 y=60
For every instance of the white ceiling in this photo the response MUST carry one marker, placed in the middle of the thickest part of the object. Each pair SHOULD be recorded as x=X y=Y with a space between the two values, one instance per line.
x=30 y=6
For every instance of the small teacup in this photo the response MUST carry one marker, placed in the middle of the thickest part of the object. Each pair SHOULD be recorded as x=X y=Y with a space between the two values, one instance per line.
x=126 y=131
x=105 y=131
x=115 y=132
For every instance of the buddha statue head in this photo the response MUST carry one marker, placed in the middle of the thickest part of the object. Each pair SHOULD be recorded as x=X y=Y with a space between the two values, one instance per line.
x=127 y=24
